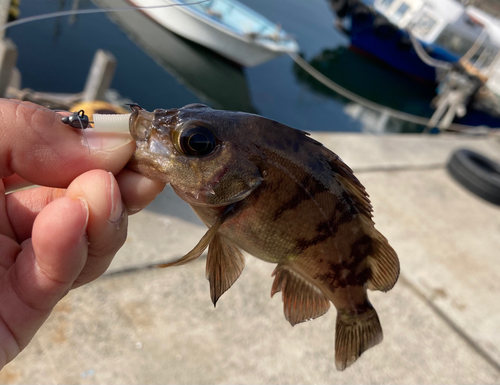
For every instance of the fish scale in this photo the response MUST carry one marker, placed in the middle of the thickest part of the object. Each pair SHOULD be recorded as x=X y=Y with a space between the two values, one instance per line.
x=270 y=190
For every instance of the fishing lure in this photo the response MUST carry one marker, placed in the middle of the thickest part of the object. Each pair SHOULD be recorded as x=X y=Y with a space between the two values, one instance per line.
x=77 y=120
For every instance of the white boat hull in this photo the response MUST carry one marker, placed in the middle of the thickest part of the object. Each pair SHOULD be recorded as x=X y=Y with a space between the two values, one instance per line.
x=243 y=50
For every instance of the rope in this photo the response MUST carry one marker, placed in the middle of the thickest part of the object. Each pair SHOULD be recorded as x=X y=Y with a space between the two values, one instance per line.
x=474 y=48
x=430 y=61
x=372 y=105
x=86 y=12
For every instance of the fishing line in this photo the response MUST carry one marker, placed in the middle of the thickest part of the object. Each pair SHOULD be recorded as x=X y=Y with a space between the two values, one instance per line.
x=30 y=19
x=83 y=131
x=82 y=123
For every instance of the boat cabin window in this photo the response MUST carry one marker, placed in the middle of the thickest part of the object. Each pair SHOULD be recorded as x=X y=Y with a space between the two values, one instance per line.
x=400 y=12
x=424 y=25
x=386 y=3
x=242 y=20
x=454 y=42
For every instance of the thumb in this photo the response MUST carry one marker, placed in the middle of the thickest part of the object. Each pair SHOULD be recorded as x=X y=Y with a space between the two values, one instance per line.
x=38 y=147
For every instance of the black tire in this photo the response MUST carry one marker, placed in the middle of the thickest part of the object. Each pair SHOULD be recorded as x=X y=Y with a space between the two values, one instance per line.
x=477 y=173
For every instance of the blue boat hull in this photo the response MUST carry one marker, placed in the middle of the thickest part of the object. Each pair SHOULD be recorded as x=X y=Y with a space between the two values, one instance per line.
x=373 y=34
x=376 y=36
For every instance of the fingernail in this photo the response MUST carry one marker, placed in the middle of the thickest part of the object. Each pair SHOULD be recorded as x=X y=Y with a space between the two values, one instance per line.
x=116 y=201
x=108 y=141
x=85 y=207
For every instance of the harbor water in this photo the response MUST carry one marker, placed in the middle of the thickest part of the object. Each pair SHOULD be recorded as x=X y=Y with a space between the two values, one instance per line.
x=158 y=69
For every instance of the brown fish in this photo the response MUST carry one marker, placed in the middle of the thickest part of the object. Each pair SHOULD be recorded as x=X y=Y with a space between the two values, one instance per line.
x=274 y=192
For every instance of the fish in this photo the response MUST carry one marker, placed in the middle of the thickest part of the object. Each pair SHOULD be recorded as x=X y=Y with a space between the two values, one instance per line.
x=274 y=192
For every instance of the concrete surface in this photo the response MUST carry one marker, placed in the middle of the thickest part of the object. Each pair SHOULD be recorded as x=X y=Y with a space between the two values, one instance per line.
x=441 y=322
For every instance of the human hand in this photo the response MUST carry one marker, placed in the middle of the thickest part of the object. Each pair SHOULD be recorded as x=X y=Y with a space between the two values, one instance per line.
x=64 y=235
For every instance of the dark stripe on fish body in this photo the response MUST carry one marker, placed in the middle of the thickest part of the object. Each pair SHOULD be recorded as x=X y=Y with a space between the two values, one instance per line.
x=362 y=248
x=326 y=229
x=345 y=273
x=307 y=189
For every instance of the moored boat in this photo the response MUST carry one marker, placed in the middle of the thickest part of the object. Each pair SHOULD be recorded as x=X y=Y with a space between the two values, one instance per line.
x=445 y=29
x=227 y=27
x=438 y=41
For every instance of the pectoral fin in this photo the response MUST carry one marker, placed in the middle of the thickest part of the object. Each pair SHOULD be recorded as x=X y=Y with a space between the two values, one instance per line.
x=204 y=241
x=301 y=300
x=225 y=263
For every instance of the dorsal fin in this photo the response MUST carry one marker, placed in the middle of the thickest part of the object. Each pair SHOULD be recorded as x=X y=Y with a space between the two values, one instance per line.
x=301 y=300
x=383 y=260
x=343 y=174
x=351 y=184
x=225 y=263
x=384 y=264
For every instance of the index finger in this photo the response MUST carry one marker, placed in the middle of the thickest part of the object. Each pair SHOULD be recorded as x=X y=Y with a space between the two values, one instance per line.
x=38 y=147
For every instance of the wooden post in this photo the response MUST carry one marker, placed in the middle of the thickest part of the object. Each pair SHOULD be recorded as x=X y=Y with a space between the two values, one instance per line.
x=4 y=15
x=100 y=76
x=382 y=121
x=74 y=7
x=15 y=79
x=8 y=58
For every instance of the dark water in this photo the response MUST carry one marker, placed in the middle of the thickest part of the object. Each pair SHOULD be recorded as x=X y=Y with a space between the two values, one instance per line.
x=158 y=69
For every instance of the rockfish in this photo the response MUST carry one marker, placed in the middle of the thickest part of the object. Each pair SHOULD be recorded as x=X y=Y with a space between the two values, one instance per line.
x=274 y=192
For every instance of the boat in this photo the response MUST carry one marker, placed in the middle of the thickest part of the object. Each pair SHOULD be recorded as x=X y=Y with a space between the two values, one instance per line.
x=446 y=30
x=227 y=27
x=212 y=78
x=440 y=42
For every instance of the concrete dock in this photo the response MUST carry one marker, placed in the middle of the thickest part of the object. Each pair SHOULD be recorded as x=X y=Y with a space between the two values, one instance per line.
x=143 y=325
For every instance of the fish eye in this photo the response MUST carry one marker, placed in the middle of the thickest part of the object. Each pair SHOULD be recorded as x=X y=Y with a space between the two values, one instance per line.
x=197 y=140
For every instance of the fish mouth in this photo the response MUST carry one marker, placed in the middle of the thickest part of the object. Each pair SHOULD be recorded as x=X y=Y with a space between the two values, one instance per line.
x=150 y=154
x=140 y=124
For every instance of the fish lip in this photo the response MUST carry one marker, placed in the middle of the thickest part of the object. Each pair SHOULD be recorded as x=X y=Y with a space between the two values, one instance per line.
x=141 y=124
x=137 y=134
x=132 y=123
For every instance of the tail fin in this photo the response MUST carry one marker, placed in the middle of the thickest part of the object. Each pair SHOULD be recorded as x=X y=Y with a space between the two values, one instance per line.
x=355 y=333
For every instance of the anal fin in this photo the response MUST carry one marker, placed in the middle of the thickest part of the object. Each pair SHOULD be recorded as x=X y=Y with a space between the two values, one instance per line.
x=384 y=265
x=225 y=263
x=355 y=333
x=301 y=300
